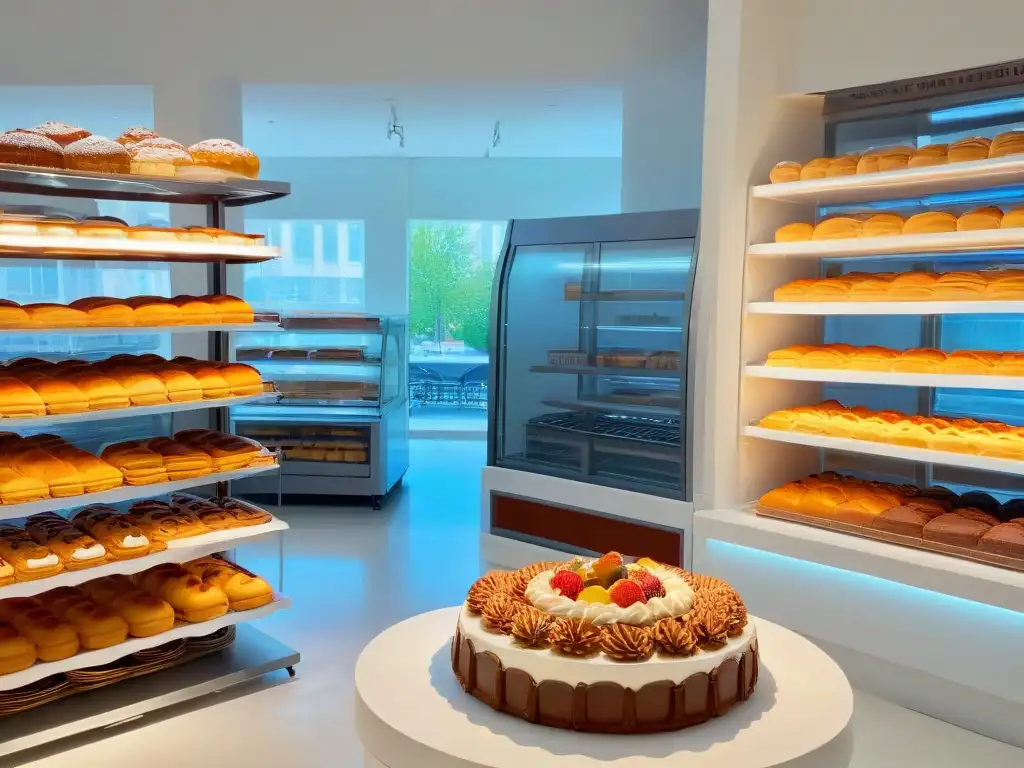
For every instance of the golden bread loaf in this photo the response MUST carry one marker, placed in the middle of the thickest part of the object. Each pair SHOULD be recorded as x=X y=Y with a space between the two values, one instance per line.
x=191 y=599
x=882 y=225
x=931 y=154
x=815 y=169
x=930 y=222
x=145 y=614
x=837 y=227
x=973 y=148
x=226 y=155
x=54 y=639
x=16 y=652
x=1008 y=143
x=785 y=171
x=18 y=399
x=245 y=590
x=796 y=232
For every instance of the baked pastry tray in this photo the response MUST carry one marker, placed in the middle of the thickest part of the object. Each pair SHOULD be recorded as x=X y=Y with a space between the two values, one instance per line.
x=131 y=492
x=129 y=249
x=111 y=330
x=137 y=410
x=178 y=551
x=181 y=629
x=1012 y=563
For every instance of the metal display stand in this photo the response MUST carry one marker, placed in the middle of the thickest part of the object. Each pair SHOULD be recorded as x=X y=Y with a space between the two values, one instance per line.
x=253 y=654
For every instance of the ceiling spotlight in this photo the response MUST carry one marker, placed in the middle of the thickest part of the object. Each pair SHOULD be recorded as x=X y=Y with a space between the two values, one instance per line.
x=394 y=129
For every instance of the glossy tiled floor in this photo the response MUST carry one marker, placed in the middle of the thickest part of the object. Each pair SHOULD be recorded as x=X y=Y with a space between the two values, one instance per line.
x=353 y=572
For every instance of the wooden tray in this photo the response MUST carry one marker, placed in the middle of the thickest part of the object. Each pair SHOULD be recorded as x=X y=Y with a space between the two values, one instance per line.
x=1012 y=563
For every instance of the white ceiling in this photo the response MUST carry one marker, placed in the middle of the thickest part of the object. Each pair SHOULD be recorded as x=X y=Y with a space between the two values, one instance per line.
x=352 y=121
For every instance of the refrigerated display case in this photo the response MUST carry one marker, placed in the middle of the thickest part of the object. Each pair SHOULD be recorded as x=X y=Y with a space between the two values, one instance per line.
x=342 y=422
x=590 y=336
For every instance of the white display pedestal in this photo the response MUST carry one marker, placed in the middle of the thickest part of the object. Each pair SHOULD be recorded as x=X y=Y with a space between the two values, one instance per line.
x=411 y=711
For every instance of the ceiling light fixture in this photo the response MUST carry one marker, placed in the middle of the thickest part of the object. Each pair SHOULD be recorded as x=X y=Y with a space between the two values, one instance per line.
x=394 y=129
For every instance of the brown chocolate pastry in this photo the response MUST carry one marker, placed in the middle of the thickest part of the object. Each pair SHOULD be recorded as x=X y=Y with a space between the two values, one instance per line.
x=971 y=513
x=676 y=637
x=905 y=520
x=500 y=611
x=624 y=642
x=531 y=627
x=574 y=637
x=931 y=507
x=1004 y=539
x=956 y=530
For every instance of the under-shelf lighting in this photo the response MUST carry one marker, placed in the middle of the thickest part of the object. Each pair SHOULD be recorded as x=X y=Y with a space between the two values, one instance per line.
x=978 y=111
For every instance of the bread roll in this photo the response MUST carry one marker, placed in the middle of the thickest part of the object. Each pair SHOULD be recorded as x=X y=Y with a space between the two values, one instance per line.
x=971 y=362
x=919 y=361
x=785 y=171
x=1004 y=285
x=226 y=155
x=785 y=498
x=145 y=614
x=815 y=169
x=62 y=478
x=230 y=309
x=106 y=312
x=13 y=316
x=872 y=358
x=191 y=599
x=932 y=154
x=182 y=386
x=158 y=157
x=122 y=539
x=102 y=227
x=97 y=154
x=874 y=288
x=135 y=134
x=230 y=513
x=54 y=639
x=868 y=162
x=1008 y=143
x=55 y=316
x=1013 y=218
x=986 y=217
x=97 y=626
x=959 y=286
x=16 y=488
x=138 y=464
x=913 y=286
x=77 y=550
x=830 y=356
x=930 y=222
x=788 y=357
x=882 y=225
x=62 y=133
x=16 y=652
x=796 y=232
x=863 y=510
x=181 y=461
x=244 y=589
x=18 y=399
x=842 y=166
x=894 y=158
x=213 y=383
x=20 y=147
x=836 y=228
x=59 y=396
x=162 y=522
x=103 y=392
x=245 y=380
x=973 y=148
x=798 y=290
x=143 y=387
x=30 y=560
x=155 y=311
x=195 y=310
x=97 y=475
x=821 y=501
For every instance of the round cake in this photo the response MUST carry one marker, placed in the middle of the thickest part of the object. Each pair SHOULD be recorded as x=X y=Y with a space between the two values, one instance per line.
x=606 y=646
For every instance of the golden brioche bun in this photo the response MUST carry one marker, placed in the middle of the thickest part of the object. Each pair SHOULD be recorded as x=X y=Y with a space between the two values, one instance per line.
x=785 y=171
x=1013 y=218
x=882 y=224
x=136 y=133
x=930 y=222
x=1008 y=143
x=974 y=148
x=796 y=232
x=836 y=228
x=815 y=169
x=986 y=217
x=843 y=166
x=227 y=156
x=932 y=154
x=98 y=155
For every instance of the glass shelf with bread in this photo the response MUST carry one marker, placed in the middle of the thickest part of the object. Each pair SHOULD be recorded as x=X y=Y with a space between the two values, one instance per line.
x=343 y=408
x=107 y=563
x=592 y=326
x=904 y=341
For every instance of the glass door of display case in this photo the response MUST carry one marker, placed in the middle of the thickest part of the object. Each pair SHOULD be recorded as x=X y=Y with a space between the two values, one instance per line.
x=591 y=326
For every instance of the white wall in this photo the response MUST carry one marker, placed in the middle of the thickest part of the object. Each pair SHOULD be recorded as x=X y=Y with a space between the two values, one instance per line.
x=388 y=192
x=842 y=44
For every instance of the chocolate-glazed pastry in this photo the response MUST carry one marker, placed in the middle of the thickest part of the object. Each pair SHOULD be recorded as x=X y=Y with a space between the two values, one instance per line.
x=956 y=530
x=1004 y=539
x=979 y=500
x=1011 y=510
x=904 y=520
x=626 y=643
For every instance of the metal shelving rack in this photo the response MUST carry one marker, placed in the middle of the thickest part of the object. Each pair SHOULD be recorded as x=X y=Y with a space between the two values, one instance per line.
x=253 y=654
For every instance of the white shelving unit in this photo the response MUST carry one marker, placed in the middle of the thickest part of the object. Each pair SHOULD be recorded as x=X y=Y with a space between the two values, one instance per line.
x=252 y=654
x=885 y=378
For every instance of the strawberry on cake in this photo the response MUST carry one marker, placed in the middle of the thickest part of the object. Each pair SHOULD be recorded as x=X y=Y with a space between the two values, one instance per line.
x=606 y=645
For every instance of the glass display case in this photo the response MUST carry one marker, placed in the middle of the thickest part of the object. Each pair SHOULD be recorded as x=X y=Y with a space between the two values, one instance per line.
x=342 y=420
x=590 y=326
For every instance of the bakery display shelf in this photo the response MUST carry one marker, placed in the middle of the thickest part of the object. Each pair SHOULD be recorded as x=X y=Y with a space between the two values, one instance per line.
x=597 y=406
x=252 y=655
x=99 y=186
x=329 y=323
x=34 y=422
x=110 y=330
x=895 y=185
x=604 y=370
x=181 y=629
x=940 y=243
x=902 y=540
x=964 y=578
x=178 y=551
x=128 y=249
x=885 y=307
x=664 y=432
x=300 y=362
x=925 y=455
x=886 y=378
x=128 y=492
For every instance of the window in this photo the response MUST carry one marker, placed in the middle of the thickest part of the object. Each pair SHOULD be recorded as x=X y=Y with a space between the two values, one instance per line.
x=451 y=270
x=316 y=271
